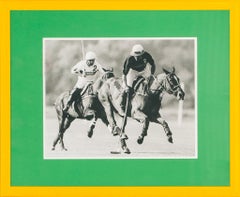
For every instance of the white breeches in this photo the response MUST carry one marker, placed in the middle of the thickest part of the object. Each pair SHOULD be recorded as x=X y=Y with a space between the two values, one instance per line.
x=132 y=75
x=82 y=81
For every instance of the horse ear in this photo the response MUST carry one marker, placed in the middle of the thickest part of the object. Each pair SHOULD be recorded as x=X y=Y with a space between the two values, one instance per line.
x=173 y=70
x=166 y=71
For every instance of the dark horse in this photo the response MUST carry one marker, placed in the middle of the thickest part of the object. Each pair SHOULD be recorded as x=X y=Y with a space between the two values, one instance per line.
x=86 y=107
x=145 y=102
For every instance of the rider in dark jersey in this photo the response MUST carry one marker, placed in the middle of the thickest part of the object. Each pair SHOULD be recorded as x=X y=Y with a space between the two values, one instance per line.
x=137 y=64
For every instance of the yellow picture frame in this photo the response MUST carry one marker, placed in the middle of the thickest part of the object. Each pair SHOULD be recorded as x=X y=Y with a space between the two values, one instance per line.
x=227 y=191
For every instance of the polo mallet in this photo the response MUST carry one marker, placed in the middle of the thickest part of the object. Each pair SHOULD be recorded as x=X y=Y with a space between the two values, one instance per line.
x=124 y=122
x=122 y=140
x=123 y=136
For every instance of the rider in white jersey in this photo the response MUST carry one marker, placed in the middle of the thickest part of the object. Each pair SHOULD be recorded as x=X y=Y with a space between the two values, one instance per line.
x=88 y=71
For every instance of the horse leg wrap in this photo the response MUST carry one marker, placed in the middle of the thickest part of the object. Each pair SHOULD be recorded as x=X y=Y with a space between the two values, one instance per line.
x=90 y=132
x=167 y=129
x=168 y=132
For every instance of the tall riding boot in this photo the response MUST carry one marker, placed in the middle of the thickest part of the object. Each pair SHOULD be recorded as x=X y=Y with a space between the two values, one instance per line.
x=125 y=95
x=71 y=98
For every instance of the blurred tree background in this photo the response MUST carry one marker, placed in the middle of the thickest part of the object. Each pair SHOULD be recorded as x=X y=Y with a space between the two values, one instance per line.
x=61 y=55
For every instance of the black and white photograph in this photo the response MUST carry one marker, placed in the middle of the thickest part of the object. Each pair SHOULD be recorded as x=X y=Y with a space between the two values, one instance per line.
x=120 y=98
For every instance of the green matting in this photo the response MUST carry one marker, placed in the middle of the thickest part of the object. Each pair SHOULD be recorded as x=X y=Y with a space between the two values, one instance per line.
x=28 y=168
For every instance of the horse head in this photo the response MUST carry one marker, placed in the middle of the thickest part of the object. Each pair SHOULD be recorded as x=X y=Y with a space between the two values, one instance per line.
x=108 y=73
x=170 y=82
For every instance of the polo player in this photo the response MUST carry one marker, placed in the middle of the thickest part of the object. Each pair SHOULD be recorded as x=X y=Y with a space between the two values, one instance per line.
x=134 y=66
x=87 y=70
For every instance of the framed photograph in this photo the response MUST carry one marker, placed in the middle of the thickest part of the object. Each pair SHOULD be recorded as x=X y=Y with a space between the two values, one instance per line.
x=105 y=98
x=165 y=51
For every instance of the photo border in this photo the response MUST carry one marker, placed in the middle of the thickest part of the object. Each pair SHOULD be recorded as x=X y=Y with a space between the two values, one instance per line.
x=7 y=190
x=195 y=40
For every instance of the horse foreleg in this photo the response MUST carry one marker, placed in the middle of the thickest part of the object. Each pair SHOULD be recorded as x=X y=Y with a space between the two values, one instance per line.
x=166 y=128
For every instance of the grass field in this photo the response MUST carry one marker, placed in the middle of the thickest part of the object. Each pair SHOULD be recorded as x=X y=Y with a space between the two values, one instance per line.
x=155 y=145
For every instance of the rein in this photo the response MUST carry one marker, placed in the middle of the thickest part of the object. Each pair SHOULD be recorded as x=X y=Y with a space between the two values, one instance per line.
x=159 y=89
x=163 y=86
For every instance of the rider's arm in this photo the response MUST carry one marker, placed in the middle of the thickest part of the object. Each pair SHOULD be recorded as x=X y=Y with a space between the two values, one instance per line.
x=126 y=66
x=152 y=63
x=100 y=68
x=124 y=78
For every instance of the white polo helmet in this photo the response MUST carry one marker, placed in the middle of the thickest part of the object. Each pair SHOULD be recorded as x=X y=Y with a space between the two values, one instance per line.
x=137 y=50
x=90 y=56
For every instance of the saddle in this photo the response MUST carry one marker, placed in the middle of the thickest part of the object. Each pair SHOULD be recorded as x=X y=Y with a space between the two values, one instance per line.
x=87 y=91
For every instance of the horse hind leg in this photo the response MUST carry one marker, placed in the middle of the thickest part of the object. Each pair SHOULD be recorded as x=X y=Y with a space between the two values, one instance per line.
x=144 y=132
x=56 y=141
x=92 y=126
x=63 y=126
x=60 y=121
x=142 y=118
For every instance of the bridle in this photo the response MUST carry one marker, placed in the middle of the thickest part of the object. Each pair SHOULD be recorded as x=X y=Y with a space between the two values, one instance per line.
x=174 y=87
x=107 y=75
x=163 y=86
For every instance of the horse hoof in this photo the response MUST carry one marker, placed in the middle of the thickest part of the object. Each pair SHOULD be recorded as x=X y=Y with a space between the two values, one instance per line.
x=53 y=148
x=170 y=139
x=64 y=149
x=127 y=151
x=124 y=137
x=140 y=140
x=90 y=133
x=116 y=131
